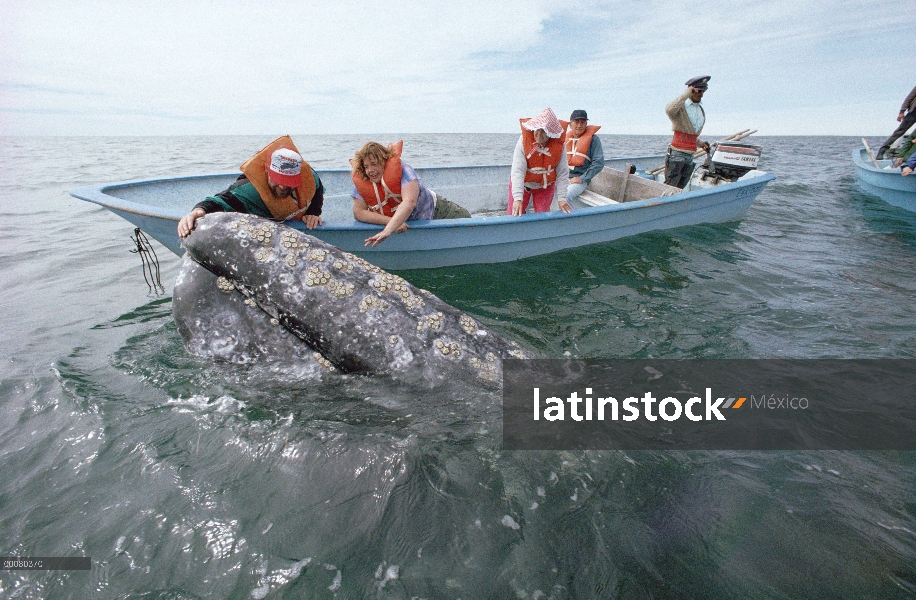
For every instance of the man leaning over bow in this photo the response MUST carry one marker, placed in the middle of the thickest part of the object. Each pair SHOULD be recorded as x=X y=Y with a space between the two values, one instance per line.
x=275 y=183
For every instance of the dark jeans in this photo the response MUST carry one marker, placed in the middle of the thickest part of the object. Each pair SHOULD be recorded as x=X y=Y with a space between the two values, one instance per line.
x=907 y=122
x=678 y=168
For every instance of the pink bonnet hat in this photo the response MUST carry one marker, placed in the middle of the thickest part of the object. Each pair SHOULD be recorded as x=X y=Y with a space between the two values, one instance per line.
x=545 y=120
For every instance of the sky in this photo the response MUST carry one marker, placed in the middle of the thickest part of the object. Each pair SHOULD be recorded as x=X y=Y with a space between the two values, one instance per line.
x=252 y=67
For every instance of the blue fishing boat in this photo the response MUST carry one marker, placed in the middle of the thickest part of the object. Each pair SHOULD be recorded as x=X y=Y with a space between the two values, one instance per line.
x=617 y=204
x=884 y=181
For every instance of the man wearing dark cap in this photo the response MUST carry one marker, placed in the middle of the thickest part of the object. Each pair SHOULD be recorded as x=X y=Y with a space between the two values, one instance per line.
x=687 y=120
x=906 y=118
x=583 y=152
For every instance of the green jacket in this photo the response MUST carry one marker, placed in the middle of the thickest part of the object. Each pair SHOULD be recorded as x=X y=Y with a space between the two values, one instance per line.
x=906 y=149
x=243 y=197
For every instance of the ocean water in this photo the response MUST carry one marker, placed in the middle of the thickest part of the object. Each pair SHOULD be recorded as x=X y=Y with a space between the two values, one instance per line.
x=184 y=479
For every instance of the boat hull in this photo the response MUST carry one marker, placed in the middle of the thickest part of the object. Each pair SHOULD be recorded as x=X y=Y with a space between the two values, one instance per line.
x=890 y=186
x=440 y=244
x=155 y=207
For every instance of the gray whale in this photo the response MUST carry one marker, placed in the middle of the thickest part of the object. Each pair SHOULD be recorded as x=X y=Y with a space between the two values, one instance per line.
x=216 y=321
x=270 y=289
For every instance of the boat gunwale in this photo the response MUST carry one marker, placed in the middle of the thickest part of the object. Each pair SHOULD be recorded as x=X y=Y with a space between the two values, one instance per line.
x=97 y=195
x=858 y=158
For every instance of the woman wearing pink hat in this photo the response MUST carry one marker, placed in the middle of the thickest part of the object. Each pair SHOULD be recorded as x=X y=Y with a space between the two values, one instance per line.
x=539 y=167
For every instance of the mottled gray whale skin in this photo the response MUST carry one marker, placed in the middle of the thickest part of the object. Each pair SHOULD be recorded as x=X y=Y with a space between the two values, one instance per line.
x=358 y=317
x=216 y=321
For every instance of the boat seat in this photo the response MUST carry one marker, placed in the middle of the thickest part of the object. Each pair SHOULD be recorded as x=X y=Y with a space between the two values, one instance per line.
x=593 y=199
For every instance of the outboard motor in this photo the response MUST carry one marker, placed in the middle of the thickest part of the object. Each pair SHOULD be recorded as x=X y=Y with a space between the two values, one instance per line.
x=731 y=160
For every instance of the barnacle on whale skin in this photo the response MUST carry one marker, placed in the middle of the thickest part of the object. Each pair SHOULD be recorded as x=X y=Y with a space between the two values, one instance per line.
x=449 y=348
x=315 y=276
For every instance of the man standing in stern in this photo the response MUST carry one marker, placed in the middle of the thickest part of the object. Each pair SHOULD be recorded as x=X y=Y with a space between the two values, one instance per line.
x=687 y=120
x=906 y=118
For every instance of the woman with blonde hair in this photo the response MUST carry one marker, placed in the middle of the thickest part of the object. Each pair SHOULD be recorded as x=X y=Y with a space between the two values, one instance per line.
x=388 y=192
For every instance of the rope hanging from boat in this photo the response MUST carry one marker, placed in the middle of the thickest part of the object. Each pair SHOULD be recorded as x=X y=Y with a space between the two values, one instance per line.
x=150 y=261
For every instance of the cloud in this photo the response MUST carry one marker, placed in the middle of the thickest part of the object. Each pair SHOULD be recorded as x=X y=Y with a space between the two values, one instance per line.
x=250 y=67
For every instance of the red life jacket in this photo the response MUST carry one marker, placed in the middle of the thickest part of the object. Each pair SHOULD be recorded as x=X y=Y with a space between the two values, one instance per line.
x=685 y=141
x=577 y=148
x=384 y=197
x=542 y=166
x=255 y=168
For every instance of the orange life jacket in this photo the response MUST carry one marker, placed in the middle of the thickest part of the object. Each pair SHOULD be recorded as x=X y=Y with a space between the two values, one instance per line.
x=577 y=148
x=384 y=197
x=542 y=167
x=255 y=168
x=685 y=141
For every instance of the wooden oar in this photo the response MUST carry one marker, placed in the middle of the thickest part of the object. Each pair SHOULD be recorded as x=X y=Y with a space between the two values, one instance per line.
x=870 y=154
x=622 y=191
x=732 y=138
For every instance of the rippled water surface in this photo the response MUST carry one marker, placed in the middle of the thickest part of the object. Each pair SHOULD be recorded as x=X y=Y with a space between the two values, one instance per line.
x=183 y=479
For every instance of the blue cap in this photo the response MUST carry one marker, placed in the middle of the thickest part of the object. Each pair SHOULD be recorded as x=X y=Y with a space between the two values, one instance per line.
x=699 y=82
x=578 y=114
